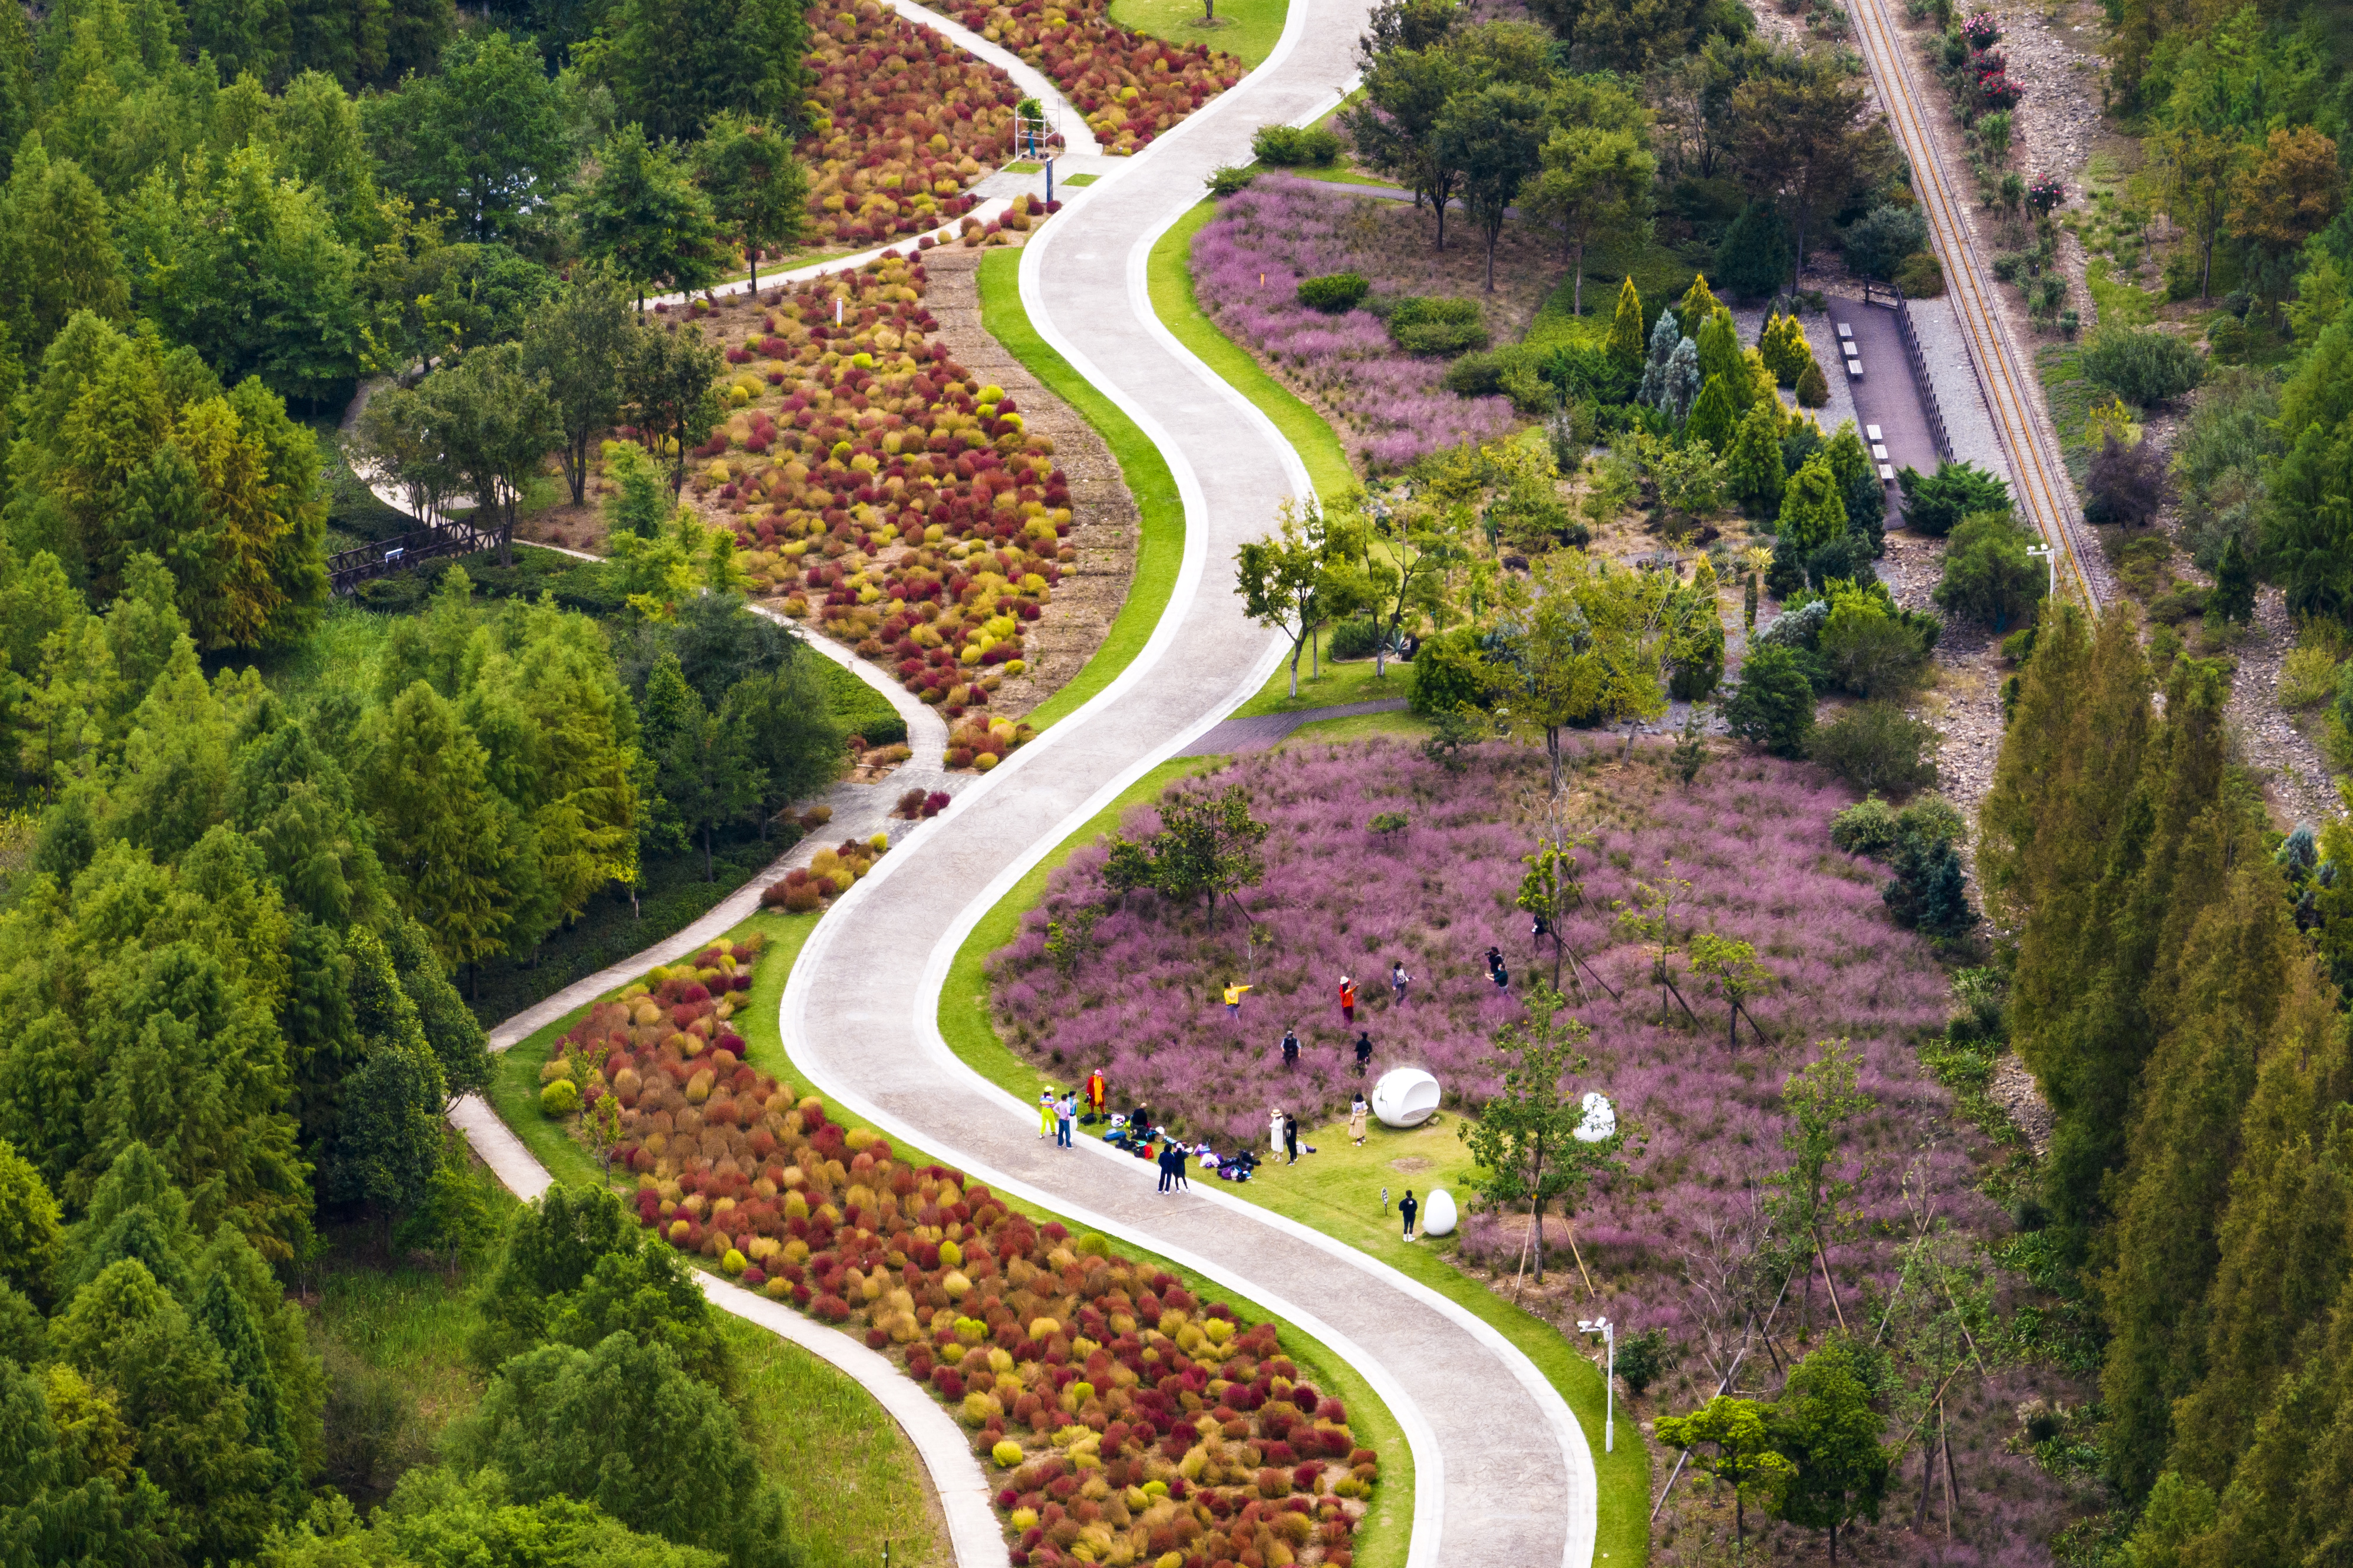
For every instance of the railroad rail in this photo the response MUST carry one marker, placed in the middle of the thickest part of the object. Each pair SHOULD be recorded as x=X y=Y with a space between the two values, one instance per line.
x=2039 y=479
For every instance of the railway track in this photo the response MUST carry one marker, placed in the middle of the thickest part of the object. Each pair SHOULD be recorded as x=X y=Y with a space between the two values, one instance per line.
x=2038 y=478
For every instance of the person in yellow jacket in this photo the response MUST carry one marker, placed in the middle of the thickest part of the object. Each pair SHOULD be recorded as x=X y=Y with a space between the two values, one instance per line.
x=1045 y=1114
x=1234 y=999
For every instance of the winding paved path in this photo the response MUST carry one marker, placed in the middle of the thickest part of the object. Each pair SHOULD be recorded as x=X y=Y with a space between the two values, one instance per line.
x=1504 y=1476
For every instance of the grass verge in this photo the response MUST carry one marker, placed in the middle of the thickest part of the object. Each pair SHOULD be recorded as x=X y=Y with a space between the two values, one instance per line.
x=515 y=1094
x=1335 y=684
x=1170 y=273
x=1160 y=529
x=1247 y=29
x=1336 y=1191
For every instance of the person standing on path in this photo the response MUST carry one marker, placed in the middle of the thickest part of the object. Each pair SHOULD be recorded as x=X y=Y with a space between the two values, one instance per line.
x=1095 y=1091
x=1067 y=1113
x=1234 y=999
x=1045 y=1116
x=1495 y=970
x=1407 y=1207
x=1348 y=999
x=1364 y=1051
x=1167 y=1167
x=1399 y=981
x=1357 y=1120
x=1290 y=1049
x=1291 y=1137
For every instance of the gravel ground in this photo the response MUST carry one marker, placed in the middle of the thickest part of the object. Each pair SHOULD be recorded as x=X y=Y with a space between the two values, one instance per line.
x=2296 y=776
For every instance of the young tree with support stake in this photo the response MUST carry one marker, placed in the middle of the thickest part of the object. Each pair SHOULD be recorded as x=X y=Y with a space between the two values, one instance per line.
x=1652 y=922
x=1424 y=544
x=1209 y=848
x=1550 y=892
x=1732 y=972
x=1739 y=1432
x=1295 y=577
x=1524 y=1138
x=1822 y=1098
x=1826 y=1424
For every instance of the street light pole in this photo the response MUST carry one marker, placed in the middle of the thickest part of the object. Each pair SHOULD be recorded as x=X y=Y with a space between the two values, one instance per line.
x=1608 y=1333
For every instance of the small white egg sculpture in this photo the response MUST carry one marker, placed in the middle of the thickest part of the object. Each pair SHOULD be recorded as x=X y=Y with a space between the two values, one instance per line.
x=1438 y=1214
x=1600 y=1121
x=1405 y=1097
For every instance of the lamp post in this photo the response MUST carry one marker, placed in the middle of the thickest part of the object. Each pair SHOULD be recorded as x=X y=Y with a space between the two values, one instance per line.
x=1608 y=1333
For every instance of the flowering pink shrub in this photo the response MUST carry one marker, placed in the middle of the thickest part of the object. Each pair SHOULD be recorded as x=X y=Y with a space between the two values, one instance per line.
x=1995 y=90
x=1246 y=267
x=1982 y=30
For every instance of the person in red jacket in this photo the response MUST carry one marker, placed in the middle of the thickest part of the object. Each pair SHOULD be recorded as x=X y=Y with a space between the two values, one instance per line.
x=1348 y=999
x=1095 y=1090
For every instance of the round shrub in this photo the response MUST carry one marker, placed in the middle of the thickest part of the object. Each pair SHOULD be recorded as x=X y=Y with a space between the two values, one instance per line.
x=1877 y=746
x=1353 y=639
x=1335 y=293
x=1290 y=146
x=1773 y=703
x=1813 y=388
x=560 y=1098
x=1434 y=324
x=1006 y=1454
x=1920 y=276
x=1449 y=673
x=2146 y=365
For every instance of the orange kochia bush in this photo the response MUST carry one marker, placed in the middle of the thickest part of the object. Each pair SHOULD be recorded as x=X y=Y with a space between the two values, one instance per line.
x=900 y=120
x=883 y=491
x=1116 y=1408
x=1131 y=88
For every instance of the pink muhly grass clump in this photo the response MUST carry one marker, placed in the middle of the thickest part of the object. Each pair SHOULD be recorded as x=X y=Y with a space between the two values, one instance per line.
x=1247 y=267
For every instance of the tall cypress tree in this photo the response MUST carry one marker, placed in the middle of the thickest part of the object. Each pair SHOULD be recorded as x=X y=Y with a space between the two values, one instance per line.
x=2282 y=1236
x=2234 y=970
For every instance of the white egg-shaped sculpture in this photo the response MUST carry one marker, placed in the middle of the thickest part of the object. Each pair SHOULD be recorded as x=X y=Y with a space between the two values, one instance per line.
x=1600 y=1121
x=1405 y=1097
x=1438 y=1214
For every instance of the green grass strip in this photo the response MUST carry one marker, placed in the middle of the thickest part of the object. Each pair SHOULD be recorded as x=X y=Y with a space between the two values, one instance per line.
x=1336 y=1192
x=1160 y=530
x=1248 y=29
x=514 y=1095
x=1170 y=273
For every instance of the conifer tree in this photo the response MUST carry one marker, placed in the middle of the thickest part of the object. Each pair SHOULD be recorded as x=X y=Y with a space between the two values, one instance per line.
x=1753 y=468
x=1626 y=327
x=1719 y=354
x=1665 y=337
x=437 y=829
x=1783 y=345
x=1813 y=388
x=2282 y=1239
x=2236 y=964
x=1713 y=416
x=1696 y=308
x=1812 y=511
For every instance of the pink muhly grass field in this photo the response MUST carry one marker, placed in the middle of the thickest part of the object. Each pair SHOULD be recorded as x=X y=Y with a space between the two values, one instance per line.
x=1753 y=838
x=1247 y=267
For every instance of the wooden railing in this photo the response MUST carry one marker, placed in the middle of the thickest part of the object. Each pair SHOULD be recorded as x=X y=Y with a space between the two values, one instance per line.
x=350 y=568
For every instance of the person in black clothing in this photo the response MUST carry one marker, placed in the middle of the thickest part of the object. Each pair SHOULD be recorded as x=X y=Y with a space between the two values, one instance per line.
x=1290 y=1049
x=1364 y=1052
x=1495 y=970
x=1409 y=1209
x=1168 y=1156
x=1291 y=1137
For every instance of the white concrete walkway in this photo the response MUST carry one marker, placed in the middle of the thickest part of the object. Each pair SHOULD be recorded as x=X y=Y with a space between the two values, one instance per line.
x=1504 y=1476
x=1060 y=112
